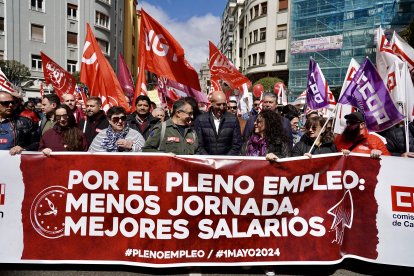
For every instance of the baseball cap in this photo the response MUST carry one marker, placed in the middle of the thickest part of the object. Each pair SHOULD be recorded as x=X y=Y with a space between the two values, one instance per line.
x=357 y=116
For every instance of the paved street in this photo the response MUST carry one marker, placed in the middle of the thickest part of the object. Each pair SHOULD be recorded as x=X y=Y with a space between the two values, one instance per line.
x=346 y=268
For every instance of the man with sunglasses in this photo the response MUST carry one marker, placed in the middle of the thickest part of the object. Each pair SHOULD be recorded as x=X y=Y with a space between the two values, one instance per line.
x=17 y=133
x=356 y=138
x=254 y=111
x=232 y=108
x=218 y=131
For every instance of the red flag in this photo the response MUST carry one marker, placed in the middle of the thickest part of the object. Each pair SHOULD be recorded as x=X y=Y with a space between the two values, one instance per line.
x=42 y=92
x=228 y=94
x=163 y=55
x=125 y=77
x=141 y=87
x=63 y=82
x=97 y=74
x=221 y=68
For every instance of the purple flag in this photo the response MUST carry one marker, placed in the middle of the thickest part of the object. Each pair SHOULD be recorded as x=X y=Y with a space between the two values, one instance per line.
x=368 y=93
x=125 y=78
x=316 y=91
x=191 y=92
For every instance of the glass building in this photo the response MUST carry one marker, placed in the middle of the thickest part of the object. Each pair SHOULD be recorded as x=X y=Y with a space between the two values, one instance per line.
x=356 y=20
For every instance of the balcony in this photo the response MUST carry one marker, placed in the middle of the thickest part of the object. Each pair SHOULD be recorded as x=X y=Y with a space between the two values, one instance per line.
x=34 y=8
x=105 y=2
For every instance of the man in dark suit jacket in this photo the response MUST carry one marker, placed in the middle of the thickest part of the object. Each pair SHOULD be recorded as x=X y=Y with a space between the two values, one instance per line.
x=95 y=120
x=270 y=102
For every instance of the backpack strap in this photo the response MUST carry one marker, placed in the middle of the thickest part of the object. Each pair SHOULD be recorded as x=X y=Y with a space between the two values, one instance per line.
x=163 y=126
x=356 y=144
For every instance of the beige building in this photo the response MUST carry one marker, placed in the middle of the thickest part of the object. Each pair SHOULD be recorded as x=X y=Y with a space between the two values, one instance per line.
x=204 y=77
x=261 y=39
x=132 y=19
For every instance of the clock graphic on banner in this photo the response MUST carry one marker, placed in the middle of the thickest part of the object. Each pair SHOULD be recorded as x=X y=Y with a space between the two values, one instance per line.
x=47 y=212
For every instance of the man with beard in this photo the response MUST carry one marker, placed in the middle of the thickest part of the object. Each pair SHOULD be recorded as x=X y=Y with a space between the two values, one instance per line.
x=70 y=101
x=175 y=135
x=356 y=138
x=142 y=120
x=95 y=120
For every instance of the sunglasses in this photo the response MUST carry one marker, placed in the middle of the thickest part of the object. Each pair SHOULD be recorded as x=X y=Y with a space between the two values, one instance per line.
x=233 y=107
x=256 y=104
x=352 y=122
x=188 y=113
x=59 y=117
x=7 y=103
x=314 y=128
x=117 y=119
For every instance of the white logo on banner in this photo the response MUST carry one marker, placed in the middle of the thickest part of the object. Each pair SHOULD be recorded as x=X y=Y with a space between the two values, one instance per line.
x=343 y=212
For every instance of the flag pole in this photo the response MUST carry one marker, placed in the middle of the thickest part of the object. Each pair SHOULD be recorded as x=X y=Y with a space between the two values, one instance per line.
x=407 y=143
x=327 y=120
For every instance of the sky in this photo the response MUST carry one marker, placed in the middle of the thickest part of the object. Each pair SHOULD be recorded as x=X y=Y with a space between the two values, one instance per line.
x=191 y=22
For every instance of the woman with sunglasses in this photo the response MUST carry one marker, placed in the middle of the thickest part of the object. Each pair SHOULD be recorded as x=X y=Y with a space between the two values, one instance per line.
x=294 y=122
x=65 y=135
x=118 y=137
x=268 y=138
x=324 y=144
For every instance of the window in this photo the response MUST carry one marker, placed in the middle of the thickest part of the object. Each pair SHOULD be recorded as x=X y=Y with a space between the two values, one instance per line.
x=133 y=63
x=1 y=25
x=240 y=52
x=264 y=8
x=102 y=20
x=262 y=33
x=280 y=56
x=251 y=13
x=120 y=14
x=1 y=55
x=250 y=36
x=104 y=45
x=37 y=5
x=255 y=36
x=72 y=10
x=254 y=59
x=241 y=33
x=261 y=58
x=256 y=11
x=133 y=21
x=71 y=66
x=231 y=28
x=229 y=57
x=283 y=5
x=37 y=33
x=36 y=63
x=133 y=40
x=72 y=39
x=249 y=60
x=281 y=30
x=120 y=36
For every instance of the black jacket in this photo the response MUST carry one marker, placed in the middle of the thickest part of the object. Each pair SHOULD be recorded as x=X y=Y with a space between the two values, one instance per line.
x=151 y=123
x=281 y=150
x=396 y=140
x=306 y=143
x=227 y=141
x=25 y=133
x=102 y=124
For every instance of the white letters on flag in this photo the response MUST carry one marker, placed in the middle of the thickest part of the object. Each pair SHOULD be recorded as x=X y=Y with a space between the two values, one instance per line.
x=385 y=55
x=404 y=51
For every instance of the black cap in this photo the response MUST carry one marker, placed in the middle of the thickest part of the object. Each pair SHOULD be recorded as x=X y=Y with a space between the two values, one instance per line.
x=357 y=116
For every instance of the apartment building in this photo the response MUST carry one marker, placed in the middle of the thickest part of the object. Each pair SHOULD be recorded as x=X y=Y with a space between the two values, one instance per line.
x=204 y=77
x=226 y=30
x=58 y=29
x=261 y=39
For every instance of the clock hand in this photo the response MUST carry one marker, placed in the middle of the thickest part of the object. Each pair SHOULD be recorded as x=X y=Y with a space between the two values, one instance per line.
x=50 y=212
x=51 y=205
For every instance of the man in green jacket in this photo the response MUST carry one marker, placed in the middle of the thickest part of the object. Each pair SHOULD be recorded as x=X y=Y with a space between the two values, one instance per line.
x=174 y=136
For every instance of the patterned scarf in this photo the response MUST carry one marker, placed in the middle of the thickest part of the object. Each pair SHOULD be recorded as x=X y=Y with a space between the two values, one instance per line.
x=257 y=146
x=109 y=142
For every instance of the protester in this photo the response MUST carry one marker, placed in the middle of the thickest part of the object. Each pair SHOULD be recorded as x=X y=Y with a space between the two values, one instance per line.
x=158 y=113
x=31 y=115
x=17 y=133
x=118 y=137
x=95 y=120
x=128 y=101
x=232 y=108
x=49 y=104
x=254 y=111
x=175 y=135
x=396 y=141
x=167 y=112
x=218 y=131
x=65 y=135
x=324 y=144
x=83 y=107
x=290 y=109
x=196 y=111
x=294 y=122
x=29 y=106
x=355 y=138
x=38 y=111
x=312 y=114
x=269 y=102
x=268 y=138
x=70 y=101
x=142 y=120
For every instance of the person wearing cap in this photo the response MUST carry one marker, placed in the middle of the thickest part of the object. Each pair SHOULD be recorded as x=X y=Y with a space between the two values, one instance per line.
x=356 y=138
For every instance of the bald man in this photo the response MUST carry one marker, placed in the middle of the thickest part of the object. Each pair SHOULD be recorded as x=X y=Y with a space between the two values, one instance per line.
x=70 y=101
x=218 y=131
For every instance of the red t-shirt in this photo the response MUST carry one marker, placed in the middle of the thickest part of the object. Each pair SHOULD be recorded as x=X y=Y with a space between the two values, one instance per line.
x=366 y=146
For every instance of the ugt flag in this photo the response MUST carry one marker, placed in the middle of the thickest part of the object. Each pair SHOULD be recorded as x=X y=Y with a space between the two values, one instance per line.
x=317 y=88
x=125 y=78
x=368 y=93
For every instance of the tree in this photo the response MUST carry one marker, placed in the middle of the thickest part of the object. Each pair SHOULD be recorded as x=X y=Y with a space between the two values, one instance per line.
x=15 y=71
x=268 y=83
x=77 y=77
x=408 y=33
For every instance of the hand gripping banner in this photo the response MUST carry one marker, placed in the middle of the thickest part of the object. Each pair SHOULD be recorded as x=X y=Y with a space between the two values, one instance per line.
x=156 y=211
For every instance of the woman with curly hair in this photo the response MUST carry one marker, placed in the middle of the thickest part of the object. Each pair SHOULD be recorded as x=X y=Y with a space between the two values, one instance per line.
x=65 y=135
x=324 y=144
x=268 y=138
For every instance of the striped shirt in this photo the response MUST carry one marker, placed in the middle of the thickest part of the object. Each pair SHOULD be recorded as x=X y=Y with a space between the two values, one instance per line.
x=133 y=136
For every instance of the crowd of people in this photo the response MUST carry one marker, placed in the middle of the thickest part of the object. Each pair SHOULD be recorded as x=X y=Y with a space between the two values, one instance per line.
x=53 y=125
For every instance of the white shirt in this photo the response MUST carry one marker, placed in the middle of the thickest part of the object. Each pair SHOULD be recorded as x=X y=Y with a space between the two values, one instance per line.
x=216 y=123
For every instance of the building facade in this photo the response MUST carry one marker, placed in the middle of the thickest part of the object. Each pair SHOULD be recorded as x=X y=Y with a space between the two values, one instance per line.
x=226 y=30
x=58 y=29
x=355 y=20
x=261 y=38
x=204 y=77
x=132 y=21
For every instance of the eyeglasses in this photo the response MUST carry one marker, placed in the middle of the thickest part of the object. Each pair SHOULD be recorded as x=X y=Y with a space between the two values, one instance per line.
x=7 y=103
x=117 y=119
x=256 y=104
x=232 y=107
x=296 y=124
x=314 y=128
x=59 y=117
x=352 y=122
x=188 y=113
